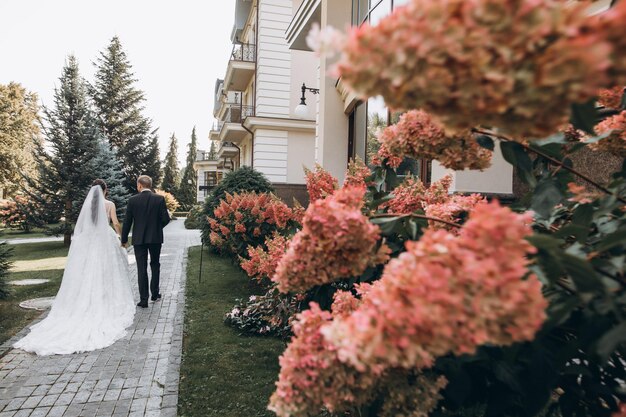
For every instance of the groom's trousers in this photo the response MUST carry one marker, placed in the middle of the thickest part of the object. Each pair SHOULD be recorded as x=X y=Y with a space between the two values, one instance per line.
x=141 y=256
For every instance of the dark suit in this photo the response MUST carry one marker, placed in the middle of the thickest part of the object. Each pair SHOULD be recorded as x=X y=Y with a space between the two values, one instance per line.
x=147 y=214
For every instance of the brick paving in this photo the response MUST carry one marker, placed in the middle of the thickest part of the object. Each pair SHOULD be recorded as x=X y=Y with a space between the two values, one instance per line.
x=137 y=376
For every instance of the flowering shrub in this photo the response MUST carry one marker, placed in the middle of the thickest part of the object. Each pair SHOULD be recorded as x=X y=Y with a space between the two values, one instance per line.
x=319 y=183
x=336 y=241
x=170 y=201
x=20 y=213
x=247 y=219
x=263 y=260
x=270 y=314
x=447 y=294
x=418 y=135
x=510 y=64
x=510 y=314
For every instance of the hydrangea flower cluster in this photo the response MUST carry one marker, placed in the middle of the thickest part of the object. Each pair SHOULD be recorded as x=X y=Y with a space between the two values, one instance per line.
x=452 y=210
x=261 y=263
x=247 y=219
x=580 y=194
x=319 y=183
x=418 y=135
x=447 y=294
x=412 y=195
x=357 y=174
x=336 y=241
x=615 y=143
x=511 y=64
x=312 y=376
x=611 y=97
x=384 y=156
x=621 y=412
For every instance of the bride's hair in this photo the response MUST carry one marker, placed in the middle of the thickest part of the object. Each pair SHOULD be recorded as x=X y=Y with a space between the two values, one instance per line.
x=102 y=185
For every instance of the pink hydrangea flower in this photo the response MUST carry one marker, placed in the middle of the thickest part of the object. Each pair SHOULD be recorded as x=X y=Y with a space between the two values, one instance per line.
x=327 y=41
x=615 y=143
x=418 y=135
x=312 y=376
x=447 y=294
x=261 y=263
x=336 y=241
x=611 y=97
x=451 y=210
x=357 y=173
x=412 y=195
x=320 y=183
x=511 y=64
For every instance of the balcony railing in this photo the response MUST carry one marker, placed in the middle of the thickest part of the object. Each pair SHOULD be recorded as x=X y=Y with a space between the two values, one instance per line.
x=243 y=52
x=206 y=156
x=236 y=113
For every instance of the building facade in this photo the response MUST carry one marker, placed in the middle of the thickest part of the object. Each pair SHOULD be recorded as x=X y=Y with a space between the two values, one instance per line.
x=255 y=123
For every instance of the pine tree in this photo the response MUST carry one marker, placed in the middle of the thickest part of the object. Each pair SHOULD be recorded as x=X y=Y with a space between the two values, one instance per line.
x=19 y=133
x=187 y=194
x=65 y=160
x=119 y=106
x=171 y=175
x=106 y=166
x=152 y=166
x=212 y=151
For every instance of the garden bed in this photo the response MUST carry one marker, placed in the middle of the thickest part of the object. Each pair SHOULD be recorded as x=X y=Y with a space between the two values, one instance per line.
x=223 y=373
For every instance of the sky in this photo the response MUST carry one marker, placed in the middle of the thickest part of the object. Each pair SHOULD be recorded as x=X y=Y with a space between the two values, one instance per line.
x=177 y=48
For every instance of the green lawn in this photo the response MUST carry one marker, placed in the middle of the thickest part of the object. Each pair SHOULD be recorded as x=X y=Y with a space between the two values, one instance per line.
x=223 y=373
x=12 y=317
x=20 y=234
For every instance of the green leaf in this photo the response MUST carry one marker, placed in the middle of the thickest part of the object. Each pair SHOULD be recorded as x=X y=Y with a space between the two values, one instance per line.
x=516 y=155
x=545 y=242
x=582 y=273
x=486 y=142
x=387 y=224
x=546 y=196
x=584 y=116
x=611 y=340
x=613 y=240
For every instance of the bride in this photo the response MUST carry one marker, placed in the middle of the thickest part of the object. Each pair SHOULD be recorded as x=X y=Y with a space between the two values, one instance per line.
x=94 y=305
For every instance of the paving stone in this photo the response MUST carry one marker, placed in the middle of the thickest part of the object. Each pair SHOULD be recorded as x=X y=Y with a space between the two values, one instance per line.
x=137 y=376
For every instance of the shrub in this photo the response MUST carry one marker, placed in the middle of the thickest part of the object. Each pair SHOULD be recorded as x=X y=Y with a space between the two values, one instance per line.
x=170 y=201
x=244 y=179
x=20 y=213
x=5 y=265
x=270 y=314
x=247 y=219
x=193 y=220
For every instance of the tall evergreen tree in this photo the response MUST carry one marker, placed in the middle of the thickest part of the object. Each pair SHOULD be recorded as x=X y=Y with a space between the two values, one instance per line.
x=106 y=166
x=212 y=151
x=65 y=160
x=119 y=106
x=171 y=175
x=152 y=165
x=19 y=133
x=188 y=192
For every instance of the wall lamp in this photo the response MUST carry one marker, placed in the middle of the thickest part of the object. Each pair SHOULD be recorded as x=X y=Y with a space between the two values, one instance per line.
x=301 y=109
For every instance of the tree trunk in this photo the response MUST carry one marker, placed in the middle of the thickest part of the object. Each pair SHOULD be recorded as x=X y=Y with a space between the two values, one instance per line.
x=67 y=239
x=67 y=236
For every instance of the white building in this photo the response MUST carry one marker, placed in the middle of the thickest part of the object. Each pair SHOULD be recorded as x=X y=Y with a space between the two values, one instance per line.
x=255 y=102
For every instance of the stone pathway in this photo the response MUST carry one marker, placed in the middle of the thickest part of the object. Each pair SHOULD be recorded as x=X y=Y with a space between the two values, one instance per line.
x=137 y=376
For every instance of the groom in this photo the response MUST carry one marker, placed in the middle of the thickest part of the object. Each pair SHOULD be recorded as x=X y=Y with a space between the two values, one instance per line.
x=148 y=215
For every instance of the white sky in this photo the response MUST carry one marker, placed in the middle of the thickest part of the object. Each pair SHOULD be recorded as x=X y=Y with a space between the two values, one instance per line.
x=177 y=49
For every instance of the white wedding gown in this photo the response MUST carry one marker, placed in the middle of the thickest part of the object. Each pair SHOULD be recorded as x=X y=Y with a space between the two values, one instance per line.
x=94 y=305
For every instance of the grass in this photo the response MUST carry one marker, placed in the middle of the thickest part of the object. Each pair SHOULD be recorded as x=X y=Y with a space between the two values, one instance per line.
x=36 y=232
x=12 y=317
x=223 y=373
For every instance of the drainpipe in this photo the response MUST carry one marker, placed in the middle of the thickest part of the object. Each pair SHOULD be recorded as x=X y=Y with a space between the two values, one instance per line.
x=251 y=141
x=238 y=155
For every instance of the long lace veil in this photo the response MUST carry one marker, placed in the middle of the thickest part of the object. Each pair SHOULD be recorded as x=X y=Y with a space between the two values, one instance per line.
x=92 y=218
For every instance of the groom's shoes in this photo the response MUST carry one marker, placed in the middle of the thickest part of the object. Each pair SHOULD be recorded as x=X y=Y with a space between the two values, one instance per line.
x=142 y=305
x=156 y=297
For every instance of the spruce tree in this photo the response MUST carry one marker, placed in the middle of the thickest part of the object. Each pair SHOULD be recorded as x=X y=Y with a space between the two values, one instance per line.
x=188 y=194
x=106 y=166
x=65 y=160
x=212 y=151
x=119 y=106
x=152 y=166
x=171 y=175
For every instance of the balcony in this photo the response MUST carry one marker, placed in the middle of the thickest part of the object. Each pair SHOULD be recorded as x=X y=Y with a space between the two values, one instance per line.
x=232 y=129
x=227 y=150
x=214 y=133
x=241 y=67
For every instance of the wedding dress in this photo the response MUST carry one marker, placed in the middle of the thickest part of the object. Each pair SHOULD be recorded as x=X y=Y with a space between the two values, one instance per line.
x=94 y=305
